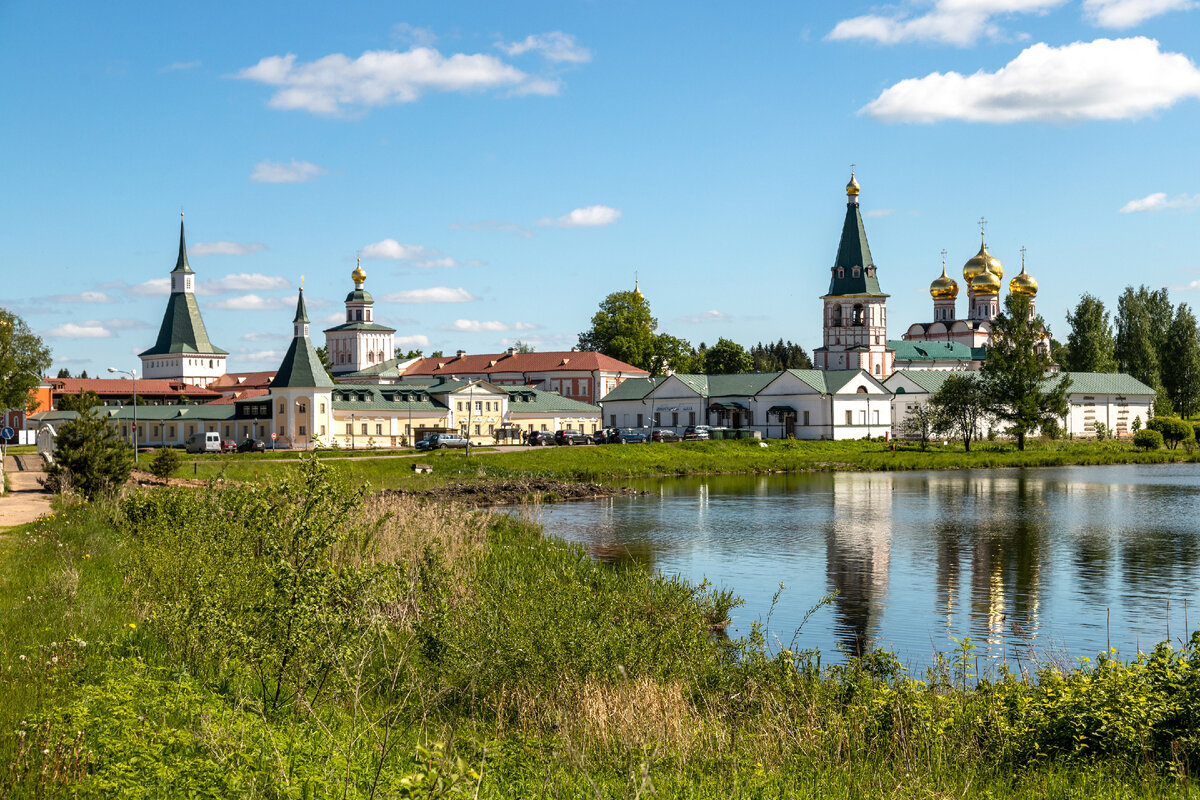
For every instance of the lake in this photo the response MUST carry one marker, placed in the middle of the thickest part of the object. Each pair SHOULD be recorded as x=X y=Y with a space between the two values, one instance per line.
x=1029 y=563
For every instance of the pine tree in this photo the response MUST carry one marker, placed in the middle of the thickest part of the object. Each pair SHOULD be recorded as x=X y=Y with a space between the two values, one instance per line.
x=1014 y=373
x=1181 y=362
x=90 y=457
x=1090 y=345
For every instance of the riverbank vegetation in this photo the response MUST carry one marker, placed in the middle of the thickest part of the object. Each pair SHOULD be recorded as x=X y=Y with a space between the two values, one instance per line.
x=290 y=638
x=614 y=463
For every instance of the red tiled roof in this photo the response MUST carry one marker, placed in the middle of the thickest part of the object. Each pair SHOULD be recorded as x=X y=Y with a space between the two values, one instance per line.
x=484 y=364
x=234 y=397
x=124 y=387
x=243 y=380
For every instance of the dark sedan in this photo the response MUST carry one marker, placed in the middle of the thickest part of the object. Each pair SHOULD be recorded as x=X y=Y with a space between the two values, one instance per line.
x=539 y=439
x=252 y=446
x=565 y=437
x=664 y=435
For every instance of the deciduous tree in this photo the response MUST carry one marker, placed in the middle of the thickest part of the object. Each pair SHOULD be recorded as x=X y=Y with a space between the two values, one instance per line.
x=1014 y=373
x=727 y=357
x=960 y=406
x=1137 y=340
x=23 y=360
x=624 y=329
x=1181 y=362
x=1090 y=345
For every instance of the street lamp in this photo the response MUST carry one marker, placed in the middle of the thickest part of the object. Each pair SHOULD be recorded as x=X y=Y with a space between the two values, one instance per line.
x=132 y=373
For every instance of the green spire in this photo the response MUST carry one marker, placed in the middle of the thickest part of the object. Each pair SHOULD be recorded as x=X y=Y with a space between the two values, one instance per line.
x=854 y=254
x=301 y=313
x=181 y=265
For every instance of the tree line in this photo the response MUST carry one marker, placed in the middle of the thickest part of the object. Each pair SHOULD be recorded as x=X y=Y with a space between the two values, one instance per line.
x=625 y=329
x=1154 y=341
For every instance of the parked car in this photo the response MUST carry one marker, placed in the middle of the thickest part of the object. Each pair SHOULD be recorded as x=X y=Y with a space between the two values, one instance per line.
x=632 y=436
x=435 y=441
x=601 y=436
x=249 y=445
x=566 y=437
x=228 y=446
x=664 y=435
x=203 y=442
x=696 y=432
x=539 y=438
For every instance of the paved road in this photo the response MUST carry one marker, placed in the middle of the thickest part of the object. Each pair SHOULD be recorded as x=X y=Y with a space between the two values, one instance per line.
x=28 y=500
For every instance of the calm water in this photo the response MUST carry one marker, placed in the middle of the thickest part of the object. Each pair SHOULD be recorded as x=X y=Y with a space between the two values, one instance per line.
x=1028 y=563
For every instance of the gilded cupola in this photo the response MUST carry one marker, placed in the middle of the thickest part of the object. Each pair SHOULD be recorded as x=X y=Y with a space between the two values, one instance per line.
x=982 y=261
x=985 y=283
x=1024 y=283
x=852 y=188
x=359 y=275
x=943 y=287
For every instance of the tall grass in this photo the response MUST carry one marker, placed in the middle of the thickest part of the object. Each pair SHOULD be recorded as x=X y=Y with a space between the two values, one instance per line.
x=445 y=652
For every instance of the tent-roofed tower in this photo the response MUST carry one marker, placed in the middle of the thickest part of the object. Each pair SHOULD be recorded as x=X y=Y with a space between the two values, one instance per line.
x=183 y=349
x=855 y=314
x=301 y=393
x=360 y=342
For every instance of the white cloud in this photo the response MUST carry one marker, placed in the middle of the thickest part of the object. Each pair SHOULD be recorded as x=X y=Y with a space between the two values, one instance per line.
x=879 y=212
x=590 y=216
x=412 y=35
x=436 y=294
x=1187 y=287
x=245 y=282
x=92 y=329
x=155 y=287
x=1159 y=201
x=1127 y=13
x=270 y=337
x=225 y=248
x=180 y=65
x=335 y=83
x=1104 y=79
x=480 y=326
x=83 y=297
x=954 y=22
x=267 y=171
x=712 y=315
x=334 y=318
x=416 y=341
x=123 y=324
x=417 y=254
x=253 y=302
x=554 y=46
x=260 y=356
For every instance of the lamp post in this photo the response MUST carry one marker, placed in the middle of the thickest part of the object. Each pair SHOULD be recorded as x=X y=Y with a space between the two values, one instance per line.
x=470 y=398
x=132 y=373
x=353 y=422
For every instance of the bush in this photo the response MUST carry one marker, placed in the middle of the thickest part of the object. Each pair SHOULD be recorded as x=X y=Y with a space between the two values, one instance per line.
x=1148 y=439
x=1174 y=431
x=164 y=462
x=89 y=457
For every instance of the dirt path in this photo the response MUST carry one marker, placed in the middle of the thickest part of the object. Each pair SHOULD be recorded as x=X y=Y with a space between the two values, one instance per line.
x=28 y=500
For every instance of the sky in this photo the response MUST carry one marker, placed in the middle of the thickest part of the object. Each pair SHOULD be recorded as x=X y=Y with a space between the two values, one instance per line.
x=501 y=167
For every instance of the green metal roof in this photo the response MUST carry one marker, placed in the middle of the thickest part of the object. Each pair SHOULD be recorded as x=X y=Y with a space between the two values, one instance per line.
x=1103 y=383
x=633 y=389
x=182 y=330
x=202 y=413
x=522 y=400
x=359 y=296
x=362 y=326
x=930 y=379
x=348 y=397
x=181 y=264
x=930 y=351
x=301 y=366
x=742 y=384
x=853 y=251
x=384 y=369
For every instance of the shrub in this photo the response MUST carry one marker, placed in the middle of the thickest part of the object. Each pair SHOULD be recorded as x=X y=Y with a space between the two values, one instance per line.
x=1175 y=431
x=164 y=462
x=1148 y=439
x=1137 y=424
x=89 y=457
x=1101 y=431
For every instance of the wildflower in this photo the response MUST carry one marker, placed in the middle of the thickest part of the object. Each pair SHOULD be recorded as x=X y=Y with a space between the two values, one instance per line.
x=87 y=555
x=22 y=656
x=54 y=660
x=132 y=626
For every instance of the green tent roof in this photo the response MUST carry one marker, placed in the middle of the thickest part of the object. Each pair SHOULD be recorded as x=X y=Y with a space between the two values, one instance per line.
x=853 y=251
x=182 y=330
x=301 y=366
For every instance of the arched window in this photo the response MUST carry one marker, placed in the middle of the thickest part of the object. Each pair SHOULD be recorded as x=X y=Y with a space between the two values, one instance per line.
x=837 y=316
x=381 y=358
x=370 y=358
x=863 y=389
x=358 y=315
x=841 y=272
x=859 y=315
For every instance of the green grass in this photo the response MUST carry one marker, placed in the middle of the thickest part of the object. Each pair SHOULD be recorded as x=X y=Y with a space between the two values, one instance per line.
x=431 y=652
x=616 y=463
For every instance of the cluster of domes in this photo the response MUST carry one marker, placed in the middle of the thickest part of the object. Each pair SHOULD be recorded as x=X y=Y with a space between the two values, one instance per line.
x=983 y=273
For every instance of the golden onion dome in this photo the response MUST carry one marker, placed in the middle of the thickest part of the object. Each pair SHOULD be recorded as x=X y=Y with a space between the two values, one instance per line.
x=943 y=287
x=636 y=290
x=1024 y=283
x=359 y=275
x=852 y=187
x=986 y=282
x=981 y=261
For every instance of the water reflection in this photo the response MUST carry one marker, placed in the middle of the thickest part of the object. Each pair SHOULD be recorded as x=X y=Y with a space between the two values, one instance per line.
x=1024 y=562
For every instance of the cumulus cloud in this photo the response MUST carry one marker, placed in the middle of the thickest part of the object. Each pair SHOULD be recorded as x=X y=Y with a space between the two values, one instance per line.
x=1105 y=79
x=269 y=336
x=254 y=302
x=246 y=282
x=93 y=329
x=413 y=35
x=225 y=248
x=879 y=212
x=417 y=341
x=155 y=287
x=953 y=22
x=180 y=65
x=1160 y=202
x=436 y=294
x=125 y=324
x=554 y=46
x=335 y=83
x=481 y=326
x=83 y=297
x=588 y=217
x=1127 y=13
x=416 y=254
x=712 y=315
x=267 y=171
x=259 y=356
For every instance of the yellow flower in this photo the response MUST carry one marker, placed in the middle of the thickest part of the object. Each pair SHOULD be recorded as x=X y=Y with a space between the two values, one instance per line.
x=132 y=626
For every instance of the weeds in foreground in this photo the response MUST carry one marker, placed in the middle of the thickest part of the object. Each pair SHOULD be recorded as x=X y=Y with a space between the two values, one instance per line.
x=292 y=640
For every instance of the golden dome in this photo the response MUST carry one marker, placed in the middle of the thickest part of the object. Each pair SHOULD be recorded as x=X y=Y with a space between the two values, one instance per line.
x=636 y=290
x=852 y=187
x=983 y=260
x=359 y=275
x=986 y=282
x=944 y=287
x=1024 y=283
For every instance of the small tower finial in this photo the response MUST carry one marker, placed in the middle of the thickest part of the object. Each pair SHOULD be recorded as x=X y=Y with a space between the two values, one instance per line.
x=982 y=228
x=302 y=283
x=943 y=261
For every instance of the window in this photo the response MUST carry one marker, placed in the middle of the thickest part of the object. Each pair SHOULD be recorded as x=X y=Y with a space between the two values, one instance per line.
x=658 y=418
x=543 y=426
x=302 y=433
x=379 y=430
x=364 y=429
x=859 y=315
x=639 y=420
x=281 y=431
x=841 y=272
x=876 y=369
x=674 y=419
x=460 y=408
x=322 y=406
x=491 y=428
x=876 y=418
x=322 y=430
x=302 y=407
x=282 y=407
x=691 y=418
x=862 y=418
x=854 y=272
x=612 y=420
x=349 y=429
x=837 y=317
x=478 y=406
x=358 y=315
x=849 y=417
x=806 y=418
x=476 y=430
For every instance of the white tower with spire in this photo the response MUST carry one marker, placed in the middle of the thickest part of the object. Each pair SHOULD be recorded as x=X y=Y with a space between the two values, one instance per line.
x=360 y=342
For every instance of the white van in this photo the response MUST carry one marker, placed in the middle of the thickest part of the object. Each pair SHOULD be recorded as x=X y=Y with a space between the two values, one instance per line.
x=209 y=442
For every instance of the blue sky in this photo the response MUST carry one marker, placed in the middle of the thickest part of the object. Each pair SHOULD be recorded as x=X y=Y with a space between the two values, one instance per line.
x=517 y=162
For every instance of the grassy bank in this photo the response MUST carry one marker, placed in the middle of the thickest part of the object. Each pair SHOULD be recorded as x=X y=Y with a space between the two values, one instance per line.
x=615 y=463
x=292 y=640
